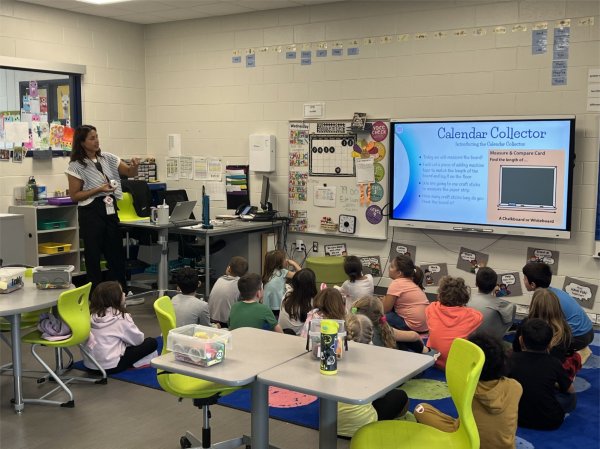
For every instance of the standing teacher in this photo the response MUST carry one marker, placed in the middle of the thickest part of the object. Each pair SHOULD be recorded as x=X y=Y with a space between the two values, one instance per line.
x=94 y=184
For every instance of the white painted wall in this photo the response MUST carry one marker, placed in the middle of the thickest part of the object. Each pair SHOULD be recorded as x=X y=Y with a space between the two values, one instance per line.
x=192 y=88
x=113 y=88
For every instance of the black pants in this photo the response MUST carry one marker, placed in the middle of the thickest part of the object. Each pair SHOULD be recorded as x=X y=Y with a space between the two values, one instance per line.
x=391 y=405
x=133 y=354
x=581 y=341
x=101 y=235
x=412 y=346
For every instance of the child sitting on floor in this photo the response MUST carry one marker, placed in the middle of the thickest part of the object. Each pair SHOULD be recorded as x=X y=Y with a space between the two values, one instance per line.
x=115 y=341
x=188 y=308
x=495 y=404
x=327 y=304
x=391 y=405
x=225 y=292
x=358 y=284
x=298 y=301
x=249 y=311
x=274 y=277
x=449 y=318
x=547 y=391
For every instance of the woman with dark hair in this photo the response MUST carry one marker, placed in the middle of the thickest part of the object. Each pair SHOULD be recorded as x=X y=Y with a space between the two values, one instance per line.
x=94 y=184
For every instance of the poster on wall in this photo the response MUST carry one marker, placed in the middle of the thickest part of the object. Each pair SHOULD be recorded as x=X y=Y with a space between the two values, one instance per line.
x=549 y=257
x=338 y=249
x=583 y=292
x=433 y=273
x=371 y=265
x=398 y=249
x=509 y=285
x=470 y=260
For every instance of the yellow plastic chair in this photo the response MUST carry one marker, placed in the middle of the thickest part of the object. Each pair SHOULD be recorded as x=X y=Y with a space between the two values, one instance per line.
x=328 y=269
x=463 y=368
x=204 y=393
x=126 y=210
x=74 y=309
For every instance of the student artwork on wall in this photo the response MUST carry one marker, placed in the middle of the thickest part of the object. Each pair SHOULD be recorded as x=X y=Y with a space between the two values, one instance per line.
x=583 y=292
x=433 y=272
x=470 y=260
x=338 y=249
x=18 y=153
x=371 y=265
x=550 y=257
x=398 y=249
x=509 y=285
x=336 y=170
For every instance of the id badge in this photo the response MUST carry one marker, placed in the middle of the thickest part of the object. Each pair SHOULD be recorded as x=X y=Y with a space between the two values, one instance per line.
x=110 y=206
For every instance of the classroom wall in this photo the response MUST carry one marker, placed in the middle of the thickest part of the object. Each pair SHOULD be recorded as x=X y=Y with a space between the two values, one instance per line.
x=195 y=90
x=114 y=95
x=192 y=88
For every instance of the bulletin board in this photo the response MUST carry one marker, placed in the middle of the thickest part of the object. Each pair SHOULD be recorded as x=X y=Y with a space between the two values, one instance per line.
x=338 y=178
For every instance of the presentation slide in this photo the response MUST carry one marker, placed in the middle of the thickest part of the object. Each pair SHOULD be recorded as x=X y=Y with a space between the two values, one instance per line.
x=506 y=173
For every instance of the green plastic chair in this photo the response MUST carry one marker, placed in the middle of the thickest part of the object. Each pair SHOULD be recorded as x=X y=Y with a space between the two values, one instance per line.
x=328 y=269
x=463 y=368
x=126 y=211
x=74 y=309
x=204 y=393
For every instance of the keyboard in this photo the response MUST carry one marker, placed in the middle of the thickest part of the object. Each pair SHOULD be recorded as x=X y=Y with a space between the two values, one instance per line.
x=260 y=216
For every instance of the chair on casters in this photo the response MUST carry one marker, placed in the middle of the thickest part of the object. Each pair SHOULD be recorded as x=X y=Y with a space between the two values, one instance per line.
x=204 y=393
x=328 y=269
x=463 y=368
x=74 y=309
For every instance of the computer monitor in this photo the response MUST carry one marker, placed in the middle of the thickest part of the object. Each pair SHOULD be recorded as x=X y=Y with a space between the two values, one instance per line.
x=264 y=194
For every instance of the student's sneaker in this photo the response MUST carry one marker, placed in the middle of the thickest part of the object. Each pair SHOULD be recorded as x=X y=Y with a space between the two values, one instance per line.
x=131 y=301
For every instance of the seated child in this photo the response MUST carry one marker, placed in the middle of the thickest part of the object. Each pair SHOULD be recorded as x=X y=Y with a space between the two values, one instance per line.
x=383 y=333
x=547 y=391
x=405 y=302
x=545 y=305
x=449 y=318
x=188 y=308
x=274 y=277
x=327 y=304
x=298 y=301
x=225 y=292
x=358 y=284
x=498 y=314
x=115 y=341
x=249 y=311
x=391 y=405
x=496 y=400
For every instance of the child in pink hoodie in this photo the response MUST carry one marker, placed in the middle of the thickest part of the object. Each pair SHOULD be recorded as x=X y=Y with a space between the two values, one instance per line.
x=115 y=341
x=449 y=318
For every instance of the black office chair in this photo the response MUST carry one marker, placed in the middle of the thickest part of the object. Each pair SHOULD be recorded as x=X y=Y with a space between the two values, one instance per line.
x=188 y=244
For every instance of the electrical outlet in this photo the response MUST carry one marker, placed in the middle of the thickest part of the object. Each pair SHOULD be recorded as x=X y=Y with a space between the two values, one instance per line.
x=315 y=247
x=302 y=247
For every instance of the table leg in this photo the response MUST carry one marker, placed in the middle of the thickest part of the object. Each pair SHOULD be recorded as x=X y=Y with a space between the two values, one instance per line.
x=260 y=415
x=327 y=423
x=206 y=266
x=163 y=263
x=15 y=335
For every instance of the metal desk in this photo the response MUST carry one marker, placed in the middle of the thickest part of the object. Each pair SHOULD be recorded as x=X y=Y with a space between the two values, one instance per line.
x=230 y=227
x=254 y=351
x=365 y=373
x=12 y=305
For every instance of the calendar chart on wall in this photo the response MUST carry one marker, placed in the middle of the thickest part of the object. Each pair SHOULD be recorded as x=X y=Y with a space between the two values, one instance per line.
x=338 y=178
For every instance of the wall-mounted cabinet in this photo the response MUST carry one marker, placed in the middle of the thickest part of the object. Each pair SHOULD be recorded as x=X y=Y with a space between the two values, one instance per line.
x=51 y=235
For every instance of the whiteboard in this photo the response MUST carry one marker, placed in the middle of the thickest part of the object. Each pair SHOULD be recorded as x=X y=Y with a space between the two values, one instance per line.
x=335 y=171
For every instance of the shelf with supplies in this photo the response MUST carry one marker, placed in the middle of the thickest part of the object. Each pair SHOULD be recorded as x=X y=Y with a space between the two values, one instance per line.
x=56 y=246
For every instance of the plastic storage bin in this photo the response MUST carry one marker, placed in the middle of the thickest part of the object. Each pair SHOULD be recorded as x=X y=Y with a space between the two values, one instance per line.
x=11 y=279
x=54 y=248
x=200 y=345
x=53 y=276
x=314 y=338
x=47 y=225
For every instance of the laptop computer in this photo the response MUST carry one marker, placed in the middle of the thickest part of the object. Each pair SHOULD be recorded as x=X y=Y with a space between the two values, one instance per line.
x=180 y=215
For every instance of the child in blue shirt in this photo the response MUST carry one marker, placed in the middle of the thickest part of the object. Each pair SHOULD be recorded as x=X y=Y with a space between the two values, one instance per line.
x=274 y=278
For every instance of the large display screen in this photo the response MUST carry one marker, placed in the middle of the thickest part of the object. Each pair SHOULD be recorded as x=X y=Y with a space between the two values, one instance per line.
x=506 y=175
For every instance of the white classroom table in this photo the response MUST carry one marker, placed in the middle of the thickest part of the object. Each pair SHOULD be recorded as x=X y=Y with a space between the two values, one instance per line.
x=12 y=305
x=365 y=373
x=254 y=351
